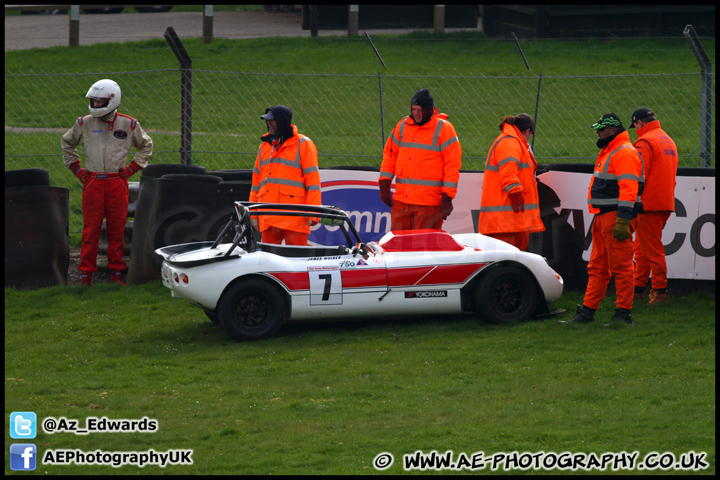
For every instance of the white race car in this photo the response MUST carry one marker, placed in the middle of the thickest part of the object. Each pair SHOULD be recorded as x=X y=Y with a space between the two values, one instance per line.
x=252 y=288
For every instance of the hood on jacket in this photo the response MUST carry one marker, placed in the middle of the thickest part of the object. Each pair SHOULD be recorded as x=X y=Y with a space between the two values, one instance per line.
x=424 y=99
x=283 y=116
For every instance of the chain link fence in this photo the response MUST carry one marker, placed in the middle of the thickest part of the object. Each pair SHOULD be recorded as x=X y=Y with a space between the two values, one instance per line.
x=347 y=116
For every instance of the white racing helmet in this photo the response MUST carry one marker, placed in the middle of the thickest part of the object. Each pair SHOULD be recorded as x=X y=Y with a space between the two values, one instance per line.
x=107 y=90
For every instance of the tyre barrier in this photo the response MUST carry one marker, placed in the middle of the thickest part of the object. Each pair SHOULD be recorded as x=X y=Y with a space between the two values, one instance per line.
x=176 y=208
x=560 y=243
x=37 y=218
x=153 y=170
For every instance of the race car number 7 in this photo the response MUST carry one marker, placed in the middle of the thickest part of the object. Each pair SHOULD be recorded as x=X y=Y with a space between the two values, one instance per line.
x=325 y=285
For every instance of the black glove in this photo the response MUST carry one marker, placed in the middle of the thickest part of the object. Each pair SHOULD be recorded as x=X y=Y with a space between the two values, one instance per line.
x=446 y=206
x=385 y=194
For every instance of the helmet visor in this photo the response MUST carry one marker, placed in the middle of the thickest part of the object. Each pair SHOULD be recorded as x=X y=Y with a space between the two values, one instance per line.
x=98 y=102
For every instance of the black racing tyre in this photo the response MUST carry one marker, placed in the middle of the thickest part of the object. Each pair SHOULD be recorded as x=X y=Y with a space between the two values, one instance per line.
x=27 y=177
x=251 y=310
x=232 y=175
x=506 y=294
x=159 y=169
x=186 y=177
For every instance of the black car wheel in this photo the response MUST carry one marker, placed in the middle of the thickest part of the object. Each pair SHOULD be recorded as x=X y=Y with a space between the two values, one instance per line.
x=506 y=294
x=252 y=309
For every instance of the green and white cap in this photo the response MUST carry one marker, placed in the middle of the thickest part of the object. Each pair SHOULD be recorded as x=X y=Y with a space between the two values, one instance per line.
x=608 y=120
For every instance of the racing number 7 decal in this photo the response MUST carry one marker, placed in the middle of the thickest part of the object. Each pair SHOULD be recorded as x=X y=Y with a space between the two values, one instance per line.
x=325 y=285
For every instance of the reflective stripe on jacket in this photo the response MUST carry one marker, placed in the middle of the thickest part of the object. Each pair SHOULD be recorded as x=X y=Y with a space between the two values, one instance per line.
x=288 y=174
x=660 y=158
x=510 y=167
x=425 y=160
x=617 y=181
x=106 y=144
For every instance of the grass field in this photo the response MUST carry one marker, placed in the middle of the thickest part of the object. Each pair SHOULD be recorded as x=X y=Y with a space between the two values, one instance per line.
x=328 y=398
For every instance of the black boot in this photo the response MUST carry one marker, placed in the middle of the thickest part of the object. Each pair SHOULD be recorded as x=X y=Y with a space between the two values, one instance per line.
x=621 y=315
x=583 y=315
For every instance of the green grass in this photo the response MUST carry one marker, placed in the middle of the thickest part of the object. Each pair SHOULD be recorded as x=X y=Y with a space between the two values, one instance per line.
x=327 y=398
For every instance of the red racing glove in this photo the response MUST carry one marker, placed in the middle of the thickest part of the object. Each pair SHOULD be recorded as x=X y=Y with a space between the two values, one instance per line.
x=517 y=202
x=79 y=172
x=385 y=194
x=129 y=171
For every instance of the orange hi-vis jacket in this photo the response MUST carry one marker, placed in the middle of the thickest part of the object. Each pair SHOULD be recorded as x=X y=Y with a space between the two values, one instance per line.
x=510 y=167
x=617 y=181
x=659 y=154
x=288 y=174
x=424 y=159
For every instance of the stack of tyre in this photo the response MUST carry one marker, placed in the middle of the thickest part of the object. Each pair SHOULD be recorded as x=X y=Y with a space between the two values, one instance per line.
x=37 y=245
x=180 y=204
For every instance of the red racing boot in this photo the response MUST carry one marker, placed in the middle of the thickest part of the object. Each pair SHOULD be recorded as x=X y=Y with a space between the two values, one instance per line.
x=115 y=277
x=86 y=279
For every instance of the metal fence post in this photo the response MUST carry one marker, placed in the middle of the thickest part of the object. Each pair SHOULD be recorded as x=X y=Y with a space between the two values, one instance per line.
x=439 y=18
x=185 y=94
x=74 y=40
x=705 y=94
x=537 y=107
x=207 y=23
x=382 y=117
x=353 y=20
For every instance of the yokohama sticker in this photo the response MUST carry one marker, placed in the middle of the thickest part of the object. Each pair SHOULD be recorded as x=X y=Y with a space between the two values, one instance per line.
x=427 y=294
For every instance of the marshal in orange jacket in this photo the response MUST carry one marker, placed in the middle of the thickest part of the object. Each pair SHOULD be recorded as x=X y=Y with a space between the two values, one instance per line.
x=510 y=168
x=618 y=180
x=289 y=174
x=424 y=159
x=660 y=158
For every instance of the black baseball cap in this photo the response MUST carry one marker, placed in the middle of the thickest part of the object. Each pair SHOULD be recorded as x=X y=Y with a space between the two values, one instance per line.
x=640 y=114
x=268 y=115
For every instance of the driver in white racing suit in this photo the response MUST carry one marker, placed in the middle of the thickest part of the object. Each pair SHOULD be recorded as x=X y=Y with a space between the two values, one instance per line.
x=106 y=137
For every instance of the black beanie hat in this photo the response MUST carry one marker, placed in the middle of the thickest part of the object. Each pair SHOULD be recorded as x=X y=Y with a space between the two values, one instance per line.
x=423 y=98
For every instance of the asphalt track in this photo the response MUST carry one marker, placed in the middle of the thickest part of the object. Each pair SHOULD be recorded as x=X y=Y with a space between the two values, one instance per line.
x=41 y=31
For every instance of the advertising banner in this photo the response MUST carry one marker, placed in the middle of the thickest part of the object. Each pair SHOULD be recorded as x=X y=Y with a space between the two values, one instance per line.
x=689 y=235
